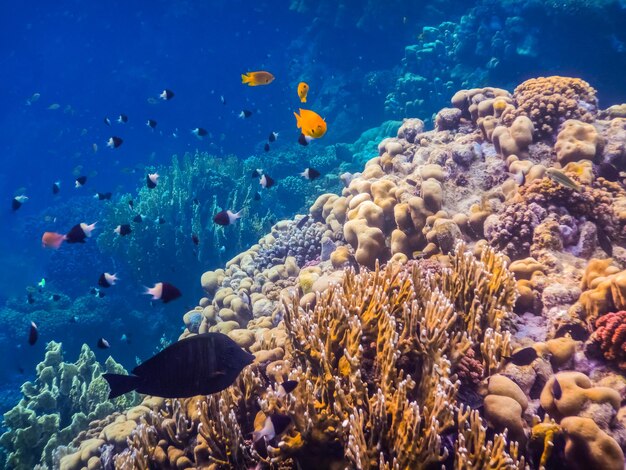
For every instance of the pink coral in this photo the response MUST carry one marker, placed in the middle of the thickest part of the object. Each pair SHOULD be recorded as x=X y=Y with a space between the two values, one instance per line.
x=611 y=337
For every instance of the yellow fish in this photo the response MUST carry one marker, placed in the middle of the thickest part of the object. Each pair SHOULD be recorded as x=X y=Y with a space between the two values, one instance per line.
x=311 y=123
x=303 y=89
x=257 y=78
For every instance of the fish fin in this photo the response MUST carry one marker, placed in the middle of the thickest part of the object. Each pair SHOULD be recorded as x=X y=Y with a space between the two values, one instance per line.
x=245 y=78
x=121 y=384
x=303 y=99
x=298 y=125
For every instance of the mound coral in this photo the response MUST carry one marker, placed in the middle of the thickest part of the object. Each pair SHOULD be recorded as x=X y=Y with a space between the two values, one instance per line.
x=550 y=101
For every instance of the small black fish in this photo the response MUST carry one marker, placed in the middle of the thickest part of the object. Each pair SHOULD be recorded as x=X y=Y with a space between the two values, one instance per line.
x=197 y=365
x=103 y=344
x=97 y=292
x=55 y=297
x=287 y=387
x=114 y=142
x=164 y=291
x=275 y=425
x=107 y=280
x=166 y=95
x=33 y=334
x=17 y=202
x=310 y=174
x=131 y=204
x=354 y=264
x=160 y=220
x=256 y=173
x=266 y=181
x=138 y=219
x=603 y=240
x=74 y=319
x=266 y=147
x=56 y=187
x=195 y=239
x=524 y=356
x=257 y=196
x=107 y=121
x=122 y=119
x=245 y=114
x=608 y=172
x=151 y=123
x=199 y=132
x=123 y=230
x=557 y=392
x=302 y=140
x=76 y=234
x=152 y=180
x=226 y=217
x=222 y=99
x=80 y=181
x=30 y=299
x=273 y=136
x=577 y=331
x=302 y=222
x=103 y=196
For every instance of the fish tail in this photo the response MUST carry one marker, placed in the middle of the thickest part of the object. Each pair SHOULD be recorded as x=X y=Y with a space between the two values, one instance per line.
x=245 y=78
x=297 y=120
x=121 y=384
x=303 y=99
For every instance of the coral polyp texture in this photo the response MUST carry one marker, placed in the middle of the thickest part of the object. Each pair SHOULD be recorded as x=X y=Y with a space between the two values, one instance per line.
x=459 y=304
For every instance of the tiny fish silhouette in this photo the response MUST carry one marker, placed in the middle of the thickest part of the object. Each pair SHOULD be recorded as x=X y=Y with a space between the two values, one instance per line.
x=524 y=356
x=557 y=392
x=197 y=365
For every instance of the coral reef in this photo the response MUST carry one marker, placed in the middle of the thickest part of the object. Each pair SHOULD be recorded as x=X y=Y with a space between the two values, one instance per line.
x=459 y=303
x=59 y=404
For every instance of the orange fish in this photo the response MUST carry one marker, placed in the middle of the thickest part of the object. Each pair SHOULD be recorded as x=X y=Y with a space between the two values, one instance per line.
x=311 y=123
x=52 y=240
x=303 y=90
x=257 y=78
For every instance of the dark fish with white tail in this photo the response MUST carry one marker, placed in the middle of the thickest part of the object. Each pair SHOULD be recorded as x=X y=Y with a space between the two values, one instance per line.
x=123 y=229
x=33 y=334
x=163 y=291
x=18 y=201
x=198 y=365
x=266 y=181
x=523 y=357
x=103 y=344
x=107 y=280
x=310 y=174
x=80 y=181
x=152 y=180
x=166 y=95
x=226 y=217
x=114 y=142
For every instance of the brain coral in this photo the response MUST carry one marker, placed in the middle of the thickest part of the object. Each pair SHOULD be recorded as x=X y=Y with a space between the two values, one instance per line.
x=550 y=101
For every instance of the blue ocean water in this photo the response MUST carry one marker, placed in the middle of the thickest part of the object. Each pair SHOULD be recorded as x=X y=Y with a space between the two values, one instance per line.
x=66 y=66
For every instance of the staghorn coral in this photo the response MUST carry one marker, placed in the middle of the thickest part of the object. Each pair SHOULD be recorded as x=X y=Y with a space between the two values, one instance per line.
x=61 y=402
x=550 y=101
x=610 y=336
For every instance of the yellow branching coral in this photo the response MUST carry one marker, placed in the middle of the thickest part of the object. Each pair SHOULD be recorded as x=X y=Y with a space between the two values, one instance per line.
x=374 y=360
x=475 y=452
